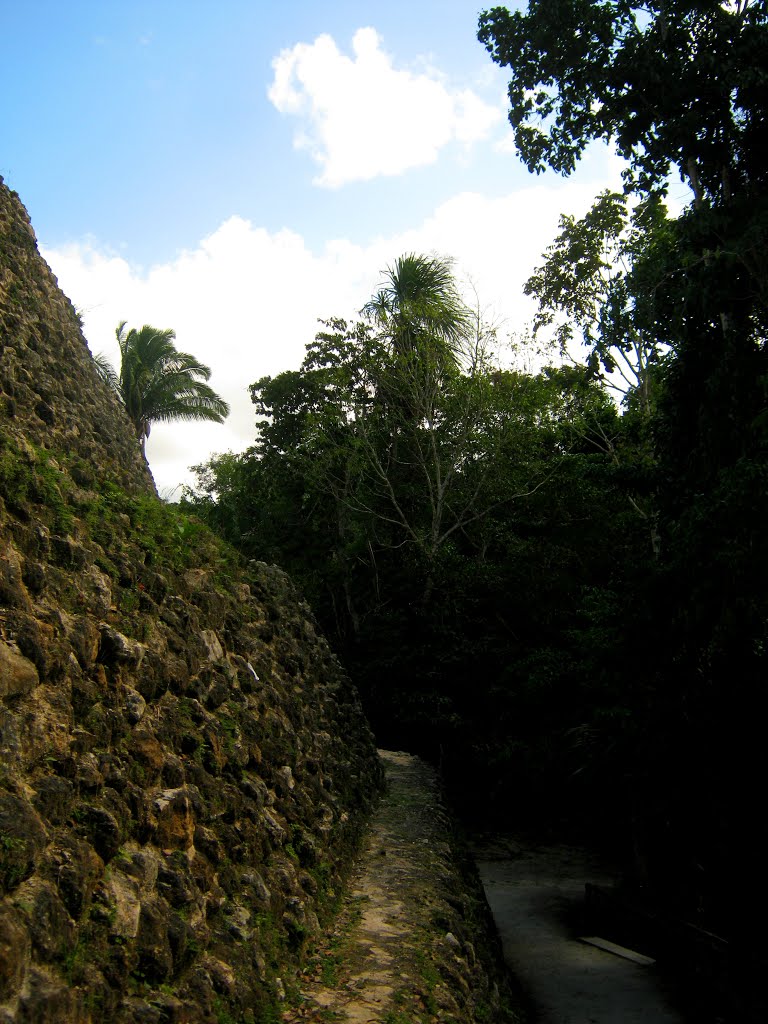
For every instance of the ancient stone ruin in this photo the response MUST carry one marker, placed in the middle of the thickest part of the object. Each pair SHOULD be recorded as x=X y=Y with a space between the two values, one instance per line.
x=184 y=767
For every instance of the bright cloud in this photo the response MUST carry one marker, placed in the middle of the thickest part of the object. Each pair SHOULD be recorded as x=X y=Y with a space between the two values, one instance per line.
x=362 y=118
x=246 y=301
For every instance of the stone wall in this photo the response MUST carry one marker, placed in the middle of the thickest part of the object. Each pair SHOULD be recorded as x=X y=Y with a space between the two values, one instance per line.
x=50 y=393
x=185 y=769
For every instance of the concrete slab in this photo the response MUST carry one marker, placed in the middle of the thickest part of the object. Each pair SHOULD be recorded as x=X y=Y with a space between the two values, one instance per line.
x=617 y=950
x=535 y=896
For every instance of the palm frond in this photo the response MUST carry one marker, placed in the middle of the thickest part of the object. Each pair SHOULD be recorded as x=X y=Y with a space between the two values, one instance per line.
x=157 y=382
x=419 y=305
x=107 y=372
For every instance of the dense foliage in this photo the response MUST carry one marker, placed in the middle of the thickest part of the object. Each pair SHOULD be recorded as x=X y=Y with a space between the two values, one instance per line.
x=455 y=525
x=677 y=86
x=560 y=599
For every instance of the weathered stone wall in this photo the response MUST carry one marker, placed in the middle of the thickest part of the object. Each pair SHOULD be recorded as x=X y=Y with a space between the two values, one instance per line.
x=184 y=767
x=50 y=392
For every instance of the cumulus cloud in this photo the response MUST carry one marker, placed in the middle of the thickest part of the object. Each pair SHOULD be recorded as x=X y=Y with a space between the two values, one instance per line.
x=360 y=117
x=246 y=301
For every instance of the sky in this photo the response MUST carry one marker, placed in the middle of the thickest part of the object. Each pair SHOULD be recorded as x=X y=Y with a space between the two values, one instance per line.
x=239 y=170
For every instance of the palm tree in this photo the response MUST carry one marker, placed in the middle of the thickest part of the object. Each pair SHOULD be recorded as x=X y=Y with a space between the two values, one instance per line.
x=419 y=303
x=421 y=312
x=157 y=382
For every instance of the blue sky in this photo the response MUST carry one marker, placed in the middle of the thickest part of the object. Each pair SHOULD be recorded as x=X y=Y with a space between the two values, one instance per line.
x=237 y=169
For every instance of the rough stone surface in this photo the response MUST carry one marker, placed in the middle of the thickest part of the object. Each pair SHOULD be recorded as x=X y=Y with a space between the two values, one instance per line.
x=40 y=338
x=185 y=770
x=17 y=674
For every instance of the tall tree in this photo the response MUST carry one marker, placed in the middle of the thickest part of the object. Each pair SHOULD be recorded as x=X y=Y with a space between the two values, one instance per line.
x=156 y=382
x=597 y=277
x=420 y=313
x=419 y=304
x=682 y=85
x=409 y=459
x=472 y=556
x=673 y=83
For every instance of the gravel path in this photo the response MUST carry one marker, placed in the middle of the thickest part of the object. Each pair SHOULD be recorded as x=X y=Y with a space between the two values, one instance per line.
x=535 y=893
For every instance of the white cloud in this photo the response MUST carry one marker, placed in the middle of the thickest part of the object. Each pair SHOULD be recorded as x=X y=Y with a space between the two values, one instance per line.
x=246 y=301
x=362 y=118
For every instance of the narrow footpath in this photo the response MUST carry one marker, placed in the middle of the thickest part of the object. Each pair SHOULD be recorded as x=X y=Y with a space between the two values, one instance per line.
x=535 y=893
x=414 y=943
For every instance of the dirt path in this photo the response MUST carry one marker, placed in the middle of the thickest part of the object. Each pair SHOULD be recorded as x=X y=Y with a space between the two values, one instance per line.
x=535 y=892
x=412 y=943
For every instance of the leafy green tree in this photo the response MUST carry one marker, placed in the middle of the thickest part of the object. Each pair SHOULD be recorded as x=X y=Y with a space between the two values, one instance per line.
x=422 y=566
x=345 y=423
x=601 y=276
x=674 y=84
x=156 y=382
x=598 y=277
x=387 y=416
x=681 y=85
